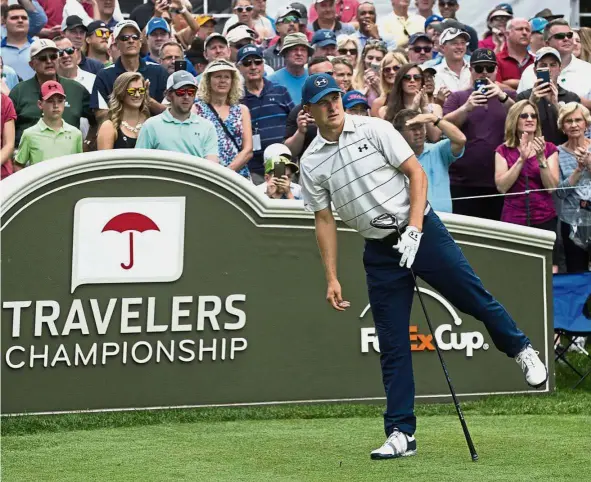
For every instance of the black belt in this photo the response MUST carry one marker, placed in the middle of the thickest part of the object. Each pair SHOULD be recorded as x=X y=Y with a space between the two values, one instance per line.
x=393 y=237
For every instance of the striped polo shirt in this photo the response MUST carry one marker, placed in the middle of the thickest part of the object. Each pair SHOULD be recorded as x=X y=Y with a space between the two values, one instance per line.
x=268 y=114
x=358 y=173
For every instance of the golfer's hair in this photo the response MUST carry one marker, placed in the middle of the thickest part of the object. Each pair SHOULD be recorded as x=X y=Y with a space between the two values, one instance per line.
x=570 y=108
x=512 y=122
x=402 y=116
x=553 y=23
x=170 y=43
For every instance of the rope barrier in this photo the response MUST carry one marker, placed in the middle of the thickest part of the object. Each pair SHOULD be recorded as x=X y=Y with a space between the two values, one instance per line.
x=520 y=193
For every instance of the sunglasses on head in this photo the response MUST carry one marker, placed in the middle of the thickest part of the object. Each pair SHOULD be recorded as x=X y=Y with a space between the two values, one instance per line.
x=389 y=70
x=248 y=8
x=127 y=37
x=562 y=35
x=133 y=91
x=102 y=33
x=481 y=68
x=289 y=19
x=348 y=51
x=527 y=115
x=190 y=91
x=249 y=62
x=418 y=49
x=69 y=51
x=415 y=77
x=46 y=57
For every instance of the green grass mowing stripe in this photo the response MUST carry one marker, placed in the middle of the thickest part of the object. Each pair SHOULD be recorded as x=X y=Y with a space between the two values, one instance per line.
x=516 y=447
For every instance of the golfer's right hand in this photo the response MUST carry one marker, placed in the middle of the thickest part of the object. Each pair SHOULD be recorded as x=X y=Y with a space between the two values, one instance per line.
x=334 y=296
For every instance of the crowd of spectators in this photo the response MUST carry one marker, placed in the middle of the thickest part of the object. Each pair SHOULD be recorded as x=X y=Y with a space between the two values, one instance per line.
x=499 y=120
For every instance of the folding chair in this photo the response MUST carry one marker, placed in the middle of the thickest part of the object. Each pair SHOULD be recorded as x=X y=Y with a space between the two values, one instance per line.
x=572 y=314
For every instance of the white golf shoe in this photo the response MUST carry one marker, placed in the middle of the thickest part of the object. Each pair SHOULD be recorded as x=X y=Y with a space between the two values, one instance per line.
x=398 y=444
x=534 y=370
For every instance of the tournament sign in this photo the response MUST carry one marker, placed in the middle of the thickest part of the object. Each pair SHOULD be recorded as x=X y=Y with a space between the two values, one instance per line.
x=147 y=279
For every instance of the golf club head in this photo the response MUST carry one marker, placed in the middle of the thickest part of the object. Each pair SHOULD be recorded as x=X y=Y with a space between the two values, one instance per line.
x=385 y=221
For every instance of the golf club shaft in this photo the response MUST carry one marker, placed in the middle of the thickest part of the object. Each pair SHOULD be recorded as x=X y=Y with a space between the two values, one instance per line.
x=473 y=453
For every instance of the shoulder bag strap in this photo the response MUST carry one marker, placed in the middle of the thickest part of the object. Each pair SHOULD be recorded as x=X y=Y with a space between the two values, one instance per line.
x=230 y=136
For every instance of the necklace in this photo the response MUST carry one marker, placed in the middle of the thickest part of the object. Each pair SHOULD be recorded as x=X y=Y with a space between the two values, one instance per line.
x=135 y=129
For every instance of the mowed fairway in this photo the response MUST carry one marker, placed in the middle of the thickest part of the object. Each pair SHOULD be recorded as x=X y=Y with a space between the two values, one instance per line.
x=511 y=447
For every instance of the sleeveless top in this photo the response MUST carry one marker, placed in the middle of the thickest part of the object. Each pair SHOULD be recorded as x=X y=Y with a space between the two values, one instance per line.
x=226 y=148
x=123 y=141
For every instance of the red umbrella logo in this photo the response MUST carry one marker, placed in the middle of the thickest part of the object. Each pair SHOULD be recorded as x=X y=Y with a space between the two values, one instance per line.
x=130 y=222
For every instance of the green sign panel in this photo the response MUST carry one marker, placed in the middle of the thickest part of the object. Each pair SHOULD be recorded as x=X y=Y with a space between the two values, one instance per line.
x=158 y=280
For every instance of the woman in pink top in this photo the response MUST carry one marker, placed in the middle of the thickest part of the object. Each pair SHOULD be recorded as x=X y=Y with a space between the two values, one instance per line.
x=525 y=161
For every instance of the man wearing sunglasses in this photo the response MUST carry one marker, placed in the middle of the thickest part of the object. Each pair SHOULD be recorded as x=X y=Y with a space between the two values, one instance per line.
x=178 y=129
x=420 y=48
x=368 y=28
x=73 y=28
x=286 y=22
x=25 y=95
x=97 y=41
x=127 y=36
x=448 y=10
x=575 y=73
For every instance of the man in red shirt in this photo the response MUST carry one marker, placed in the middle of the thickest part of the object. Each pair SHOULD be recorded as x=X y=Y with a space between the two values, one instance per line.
x=346 y=11
x=514 y=57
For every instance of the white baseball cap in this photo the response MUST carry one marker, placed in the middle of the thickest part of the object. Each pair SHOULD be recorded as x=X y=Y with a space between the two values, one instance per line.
x=125 y=23
x=451 y=33
x=276 y=150
x=40 y=45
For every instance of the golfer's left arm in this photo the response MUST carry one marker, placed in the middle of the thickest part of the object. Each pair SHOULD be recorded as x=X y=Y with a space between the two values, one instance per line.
x=412 y=169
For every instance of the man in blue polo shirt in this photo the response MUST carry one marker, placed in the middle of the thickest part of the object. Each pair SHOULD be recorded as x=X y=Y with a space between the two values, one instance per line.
x=269 y=105
x=127 y=35
x=158 y=32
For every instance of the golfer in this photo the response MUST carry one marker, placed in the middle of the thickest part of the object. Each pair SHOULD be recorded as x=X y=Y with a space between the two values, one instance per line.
x=360 y=164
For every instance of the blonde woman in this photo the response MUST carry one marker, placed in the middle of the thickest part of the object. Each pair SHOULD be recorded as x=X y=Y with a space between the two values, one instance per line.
x=367 y=76
x=128 y=110
x=218 y=100
x=390 y=66
x=343 y=73
x=582 y=41
x=348 y=46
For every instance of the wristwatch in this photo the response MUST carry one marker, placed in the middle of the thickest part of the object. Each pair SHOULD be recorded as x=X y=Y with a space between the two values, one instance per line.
x=505 y=99
x=543 y=164
x=437 y=121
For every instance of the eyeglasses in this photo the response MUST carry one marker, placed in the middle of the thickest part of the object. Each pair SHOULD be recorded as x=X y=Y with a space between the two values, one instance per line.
x=527 y=115
x=46 y=57
x=447 y=4
x=481 y=68
x=289 y=19
x=249 y=62
x=133 y=91
x=348 y=52
x=248 y=8
x=190 y=91
x=562 y=36
x=102 y=33
x=409 y=77
x=389 y=70
x=172 y=57
x=418 y=49
x=125 y=38
x=69 y=51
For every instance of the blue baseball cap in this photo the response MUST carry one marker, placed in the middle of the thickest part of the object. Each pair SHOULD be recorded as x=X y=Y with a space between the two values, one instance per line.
x=324 y=37
x=538 y=24
x=431 y=19
x=249 y=50
x=505 y=6
x=353 y=98
x=157 y=23
x=317 y=86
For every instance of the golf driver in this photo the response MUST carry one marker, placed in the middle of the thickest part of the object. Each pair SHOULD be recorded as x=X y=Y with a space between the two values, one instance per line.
x=390 y=222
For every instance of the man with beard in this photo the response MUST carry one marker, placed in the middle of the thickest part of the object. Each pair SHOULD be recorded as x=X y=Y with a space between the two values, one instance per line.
x=296 y=50
x=178 y=129
x=97 y=41
x=288 y=21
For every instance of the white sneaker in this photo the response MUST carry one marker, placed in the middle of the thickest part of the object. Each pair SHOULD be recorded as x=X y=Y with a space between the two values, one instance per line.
x=533 y=368
x=398 y=444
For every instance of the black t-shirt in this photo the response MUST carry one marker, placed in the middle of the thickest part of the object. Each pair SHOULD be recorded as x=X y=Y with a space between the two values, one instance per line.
x=291 y=127
x=549 y=114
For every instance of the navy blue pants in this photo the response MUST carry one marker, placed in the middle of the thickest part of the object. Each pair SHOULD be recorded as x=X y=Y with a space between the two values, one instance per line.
x=440 y=263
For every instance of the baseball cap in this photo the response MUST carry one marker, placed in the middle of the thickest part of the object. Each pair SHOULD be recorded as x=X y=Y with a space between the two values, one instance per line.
x=505 y=6
x=428 y=68
x=452 y=33
x=286 y=12
x=431 y=19
x=483 y=56
x=317 y=86
x=203 y=19
x=547 y=51
x=300 y=7
x=40 y=45
x=242 y=32
x=125 y=23
x=215 y=36
x=538 y=24
x=157 y=23
x=417 y=36
x=324 y=37
x=51 y=88
x=179 y=79
x=353 y=98
x=71 y=22
x=249 y=50
x=500 y=13
x=294 y=39
x=92 y=26
x=276 y=150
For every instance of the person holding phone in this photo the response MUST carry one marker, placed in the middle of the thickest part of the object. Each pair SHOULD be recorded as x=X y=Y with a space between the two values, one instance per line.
x=548 y=95
x=367 y=79
x=279 y=172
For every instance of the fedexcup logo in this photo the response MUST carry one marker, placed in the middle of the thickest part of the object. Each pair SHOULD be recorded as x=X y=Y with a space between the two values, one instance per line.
x=320 y=82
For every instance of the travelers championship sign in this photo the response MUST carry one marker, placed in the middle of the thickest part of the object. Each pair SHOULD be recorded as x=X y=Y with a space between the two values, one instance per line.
x=144 y=279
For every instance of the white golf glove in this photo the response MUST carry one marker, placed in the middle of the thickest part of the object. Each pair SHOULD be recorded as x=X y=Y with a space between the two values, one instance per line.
x=408 y=245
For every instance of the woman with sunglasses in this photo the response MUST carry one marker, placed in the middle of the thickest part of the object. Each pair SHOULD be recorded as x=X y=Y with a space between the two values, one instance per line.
x=389 y=68
x=128 y=110
x=218 y=100
x=343 y=73
x=244 y=12
x=367 y=75
x=348 y=46
x=525 y=161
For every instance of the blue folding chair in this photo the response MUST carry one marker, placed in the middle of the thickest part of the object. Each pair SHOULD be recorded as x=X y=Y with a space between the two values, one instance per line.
x=572 y=314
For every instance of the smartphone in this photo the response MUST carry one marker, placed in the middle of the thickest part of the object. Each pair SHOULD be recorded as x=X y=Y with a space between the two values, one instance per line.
x=279 y=169
x=180 y=65
x=543 y=74
x=480 y=84
x=375 y=68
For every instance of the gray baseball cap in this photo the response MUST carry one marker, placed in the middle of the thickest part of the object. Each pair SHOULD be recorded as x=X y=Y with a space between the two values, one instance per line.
x=180 y=79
